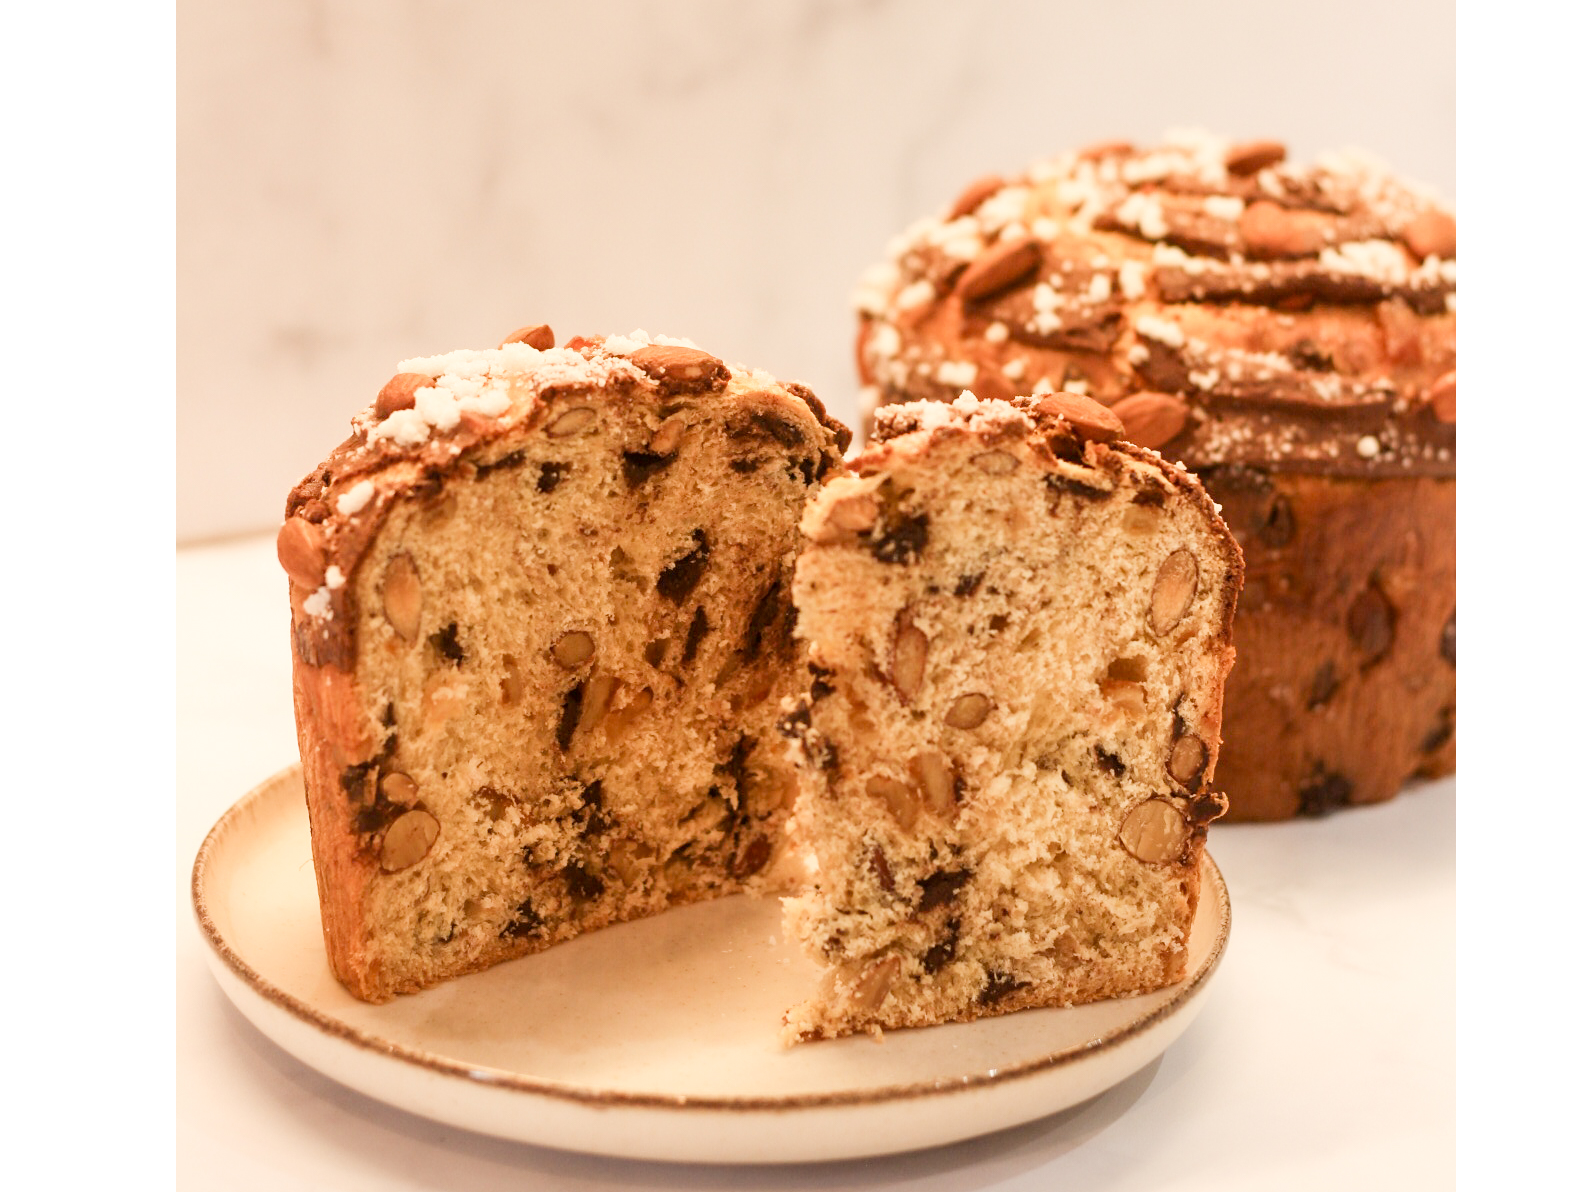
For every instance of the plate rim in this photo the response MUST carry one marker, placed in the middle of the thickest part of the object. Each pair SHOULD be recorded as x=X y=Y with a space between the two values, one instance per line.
x=1212 y=881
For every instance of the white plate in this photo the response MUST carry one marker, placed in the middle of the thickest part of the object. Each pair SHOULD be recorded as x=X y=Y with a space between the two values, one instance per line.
x=656 y=1039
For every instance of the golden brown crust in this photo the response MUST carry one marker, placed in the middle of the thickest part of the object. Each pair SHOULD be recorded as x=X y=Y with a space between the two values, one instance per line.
x=1346 y=683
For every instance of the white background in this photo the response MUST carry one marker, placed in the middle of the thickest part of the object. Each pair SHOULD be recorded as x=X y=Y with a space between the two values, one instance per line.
x=359 y=183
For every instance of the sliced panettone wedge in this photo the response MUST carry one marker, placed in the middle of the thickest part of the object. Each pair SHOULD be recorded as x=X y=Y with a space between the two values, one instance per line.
x=542 y=629
x=1019 y=631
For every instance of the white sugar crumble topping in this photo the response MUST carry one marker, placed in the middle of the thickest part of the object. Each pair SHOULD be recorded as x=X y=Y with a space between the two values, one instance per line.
x=356 y=498
x=318 y=603
x=1166 y=331
x=1131 y=278
x=957 y=373
x=334 y=577
x=996 y=332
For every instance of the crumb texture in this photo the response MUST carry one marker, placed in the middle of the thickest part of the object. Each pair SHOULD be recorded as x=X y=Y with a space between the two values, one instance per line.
x=1018 y=639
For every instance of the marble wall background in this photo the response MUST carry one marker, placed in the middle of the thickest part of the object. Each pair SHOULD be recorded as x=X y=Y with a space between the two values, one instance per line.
x=361 y=181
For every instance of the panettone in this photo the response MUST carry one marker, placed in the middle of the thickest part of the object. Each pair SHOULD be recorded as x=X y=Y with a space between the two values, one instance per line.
x=1288 y=333
x=1019 y=632
x=542 y=627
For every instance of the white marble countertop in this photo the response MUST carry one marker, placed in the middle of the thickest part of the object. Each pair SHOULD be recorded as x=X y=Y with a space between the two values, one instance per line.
x=1324 y=1059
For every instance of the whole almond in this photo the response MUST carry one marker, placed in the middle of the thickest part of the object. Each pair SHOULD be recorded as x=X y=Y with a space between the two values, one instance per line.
x=1000 y=266
x=399 y=788
x=1443 y=397
x=401 y=596
x=1090 y=420
x=398 y=393
x=666 y=439
x=903 y=803
x=1174 y=589
x=1154 y=831
x=408 y=840
x=573 y=649
x=909 y=662
x=968 y=711
x=571 y=422
x=1253 y=156
x=539 y=337
x=1270 y=230
x=301 y=550
x=1431 y=234
x=937 y=781
x=854 y=513
x=676 y=367
x=996 y=463
x=974 y=195
x=873 y=987
x=1151 y=419
x=1188 y=757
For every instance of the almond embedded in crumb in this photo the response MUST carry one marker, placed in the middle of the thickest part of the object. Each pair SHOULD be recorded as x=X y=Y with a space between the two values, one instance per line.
x=1174 y=589
x=873 y=987
x=854 y=513
x=1188 y=757
x=599 y=694
x=968 y=711
x=620 y=720
x=900 y=799
x=444 y=696
x=571 y=422
x=937 y=780
x=1128 y=697
x=1154 y=831
x=399 y=788
x=909 y=663
x=301 y=550
x=408 y=840
x=401 y=596
x=573 y=649
x=667 y=437
x=995 y=463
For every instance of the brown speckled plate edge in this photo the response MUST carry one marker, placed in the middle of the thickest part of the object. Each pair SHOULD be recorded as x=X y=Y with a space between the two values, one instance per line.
x=1212 y=886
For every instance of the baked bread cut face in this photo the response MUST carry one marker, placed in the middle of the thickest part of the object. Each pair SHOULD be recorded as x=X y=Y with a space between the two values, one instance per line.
x=1019 y=628
x=542 y=628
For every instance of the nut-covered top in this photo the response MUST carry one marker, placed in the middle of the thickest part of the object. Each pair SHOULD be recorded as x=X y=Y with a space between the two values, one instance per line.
x=1228 y=305
x=440 y=415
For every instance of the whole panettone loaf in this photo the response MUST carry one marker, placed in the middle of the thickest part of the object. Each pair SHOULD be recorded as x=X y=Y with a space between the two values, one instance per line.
x=1019 y=631
x=1287 y=332
x=542 y=627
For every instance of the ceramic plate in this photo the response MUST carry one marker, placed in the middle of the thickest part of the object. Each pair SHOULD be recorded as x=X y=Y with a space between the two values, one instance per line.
x=656 y=1039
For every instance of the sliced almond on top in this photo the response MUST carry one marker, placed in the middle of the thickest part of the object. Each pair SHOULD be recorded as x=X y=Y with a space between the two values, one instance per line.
x=1431 y=234
x=1090 y=420
x=1253 y=156
x=1000 y=266
x=538 y=336
x=1151 y=419
x=679 y=367
x=398 y=393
